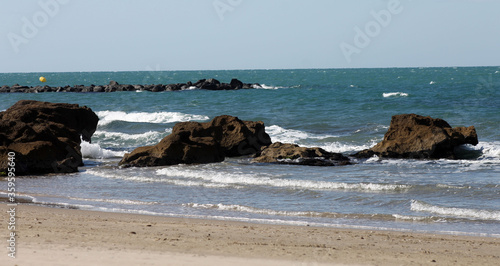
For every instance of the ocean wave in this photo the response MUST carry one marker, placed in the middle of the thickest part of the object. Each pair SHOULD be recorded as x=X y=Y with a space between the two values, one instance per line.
x=265 y=87
x=241 y=208
x=411 y=218
x=106 y=117
x=489 y=149
x=135 y=177
x=345 y=147
x=94 y=151
x=116 y=201
x=279 y=134
x=119 y=139
x=219 y=178
x=395 y=94
x=477 y=214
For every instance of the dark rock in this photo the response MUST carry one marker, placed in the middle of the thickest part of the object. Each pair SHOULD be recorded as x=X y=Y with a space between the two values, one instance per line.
x=45 y=137
x=199 y=83
x=128 y=87
x=251 y=86
x=206 y=84
x=110 y=88
x=421 y=137
x=284 y=153
x=98 y=89
x=236 y=84
x=238 y=137
x=209 y=84
x=193 y=142
x=180 y=148
x=158 y=88
x=4 y=89
x=225 y=86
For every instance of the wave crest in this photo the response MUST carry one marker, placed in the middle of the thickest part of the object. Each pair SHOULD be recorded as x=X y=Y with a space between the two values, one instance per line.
x=106 y=117
x=420 y=206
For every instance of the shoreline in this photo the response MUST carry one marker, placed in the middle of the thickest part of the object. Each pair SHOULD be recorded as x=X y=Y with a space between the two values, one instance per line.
x=80 y=237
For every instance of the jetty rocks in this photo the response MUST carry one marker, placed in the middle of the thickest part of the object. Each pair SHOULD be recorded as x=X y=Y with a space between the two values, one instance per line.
x=113 y=86
x=421 y=137
x=284 y=153
x=45 y=137
x=194 y=142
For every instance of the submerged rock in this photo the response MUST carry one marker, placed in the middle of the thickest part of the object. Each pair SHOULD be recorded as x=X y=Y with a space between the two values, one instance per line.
x=193 y=142
x=45 y=137
x=284 y=153
x=421 y=137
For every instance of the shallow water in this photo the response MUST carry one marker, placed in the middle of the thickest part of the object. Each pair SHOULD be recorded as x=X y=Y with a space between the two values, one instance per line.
x=342 y=110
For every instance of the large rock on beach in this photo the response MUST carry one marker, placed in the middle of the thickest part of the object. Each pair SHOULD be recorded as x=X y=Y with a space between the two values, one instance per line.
x=284 y=153
x=45 y=137
x=421 y=137
x=194 y=142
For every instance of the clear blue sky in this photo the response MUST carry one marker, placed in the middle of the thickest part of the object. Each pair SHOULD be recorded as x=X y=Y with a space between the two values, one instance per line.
x=116 y=35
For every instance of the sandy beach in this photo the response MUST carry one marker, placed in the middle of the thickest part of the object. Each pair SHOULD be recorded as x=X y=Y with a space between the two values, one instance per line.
x=51 y=236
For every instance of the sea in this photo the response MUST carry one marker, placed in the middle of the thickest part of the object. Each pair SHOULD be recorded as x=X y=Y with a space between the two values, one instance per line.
x=339 y=110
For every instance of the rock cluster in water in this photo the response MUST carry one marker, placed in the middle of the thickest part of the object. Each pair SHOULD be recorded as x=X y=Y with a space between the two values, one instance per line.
x=193 y=142
x=204 y=84
x=284 y=153
x=421 y=137
x=45 y=137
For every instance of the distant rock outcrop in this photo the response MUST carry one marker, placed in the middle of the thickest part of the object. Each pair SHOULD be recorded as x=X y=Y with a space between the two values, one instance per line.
x=283 y=153
x=421 y=137
x=45 y=137
x=193 y=142
x=204 y=84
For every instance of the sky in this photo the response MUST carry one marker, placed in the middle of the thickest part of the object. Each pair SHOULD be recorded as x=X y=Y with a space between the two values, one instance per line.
x=133 y=35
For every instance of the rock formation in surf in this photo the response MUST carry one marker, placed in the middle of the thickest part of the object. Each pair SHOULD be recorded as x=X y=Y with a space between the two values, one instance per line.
x=421 y=137
x=45 y=137
x=284 y=153
x=204 y=84
x=193 y=142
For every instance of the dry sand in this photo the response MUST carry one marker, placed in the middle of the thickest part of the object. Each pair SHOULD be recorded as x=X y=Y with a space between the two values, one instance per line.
x=50 y=236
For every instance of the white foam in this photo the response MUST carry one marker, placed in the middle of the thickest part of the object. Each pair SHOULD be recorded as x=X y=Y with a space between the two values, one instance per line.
x=279 y=134
x=241 y=208
x=420 y=206
x=106 y=117
x=265 y=87
x=344 y=147
x=219 y=178
x=395 y=94
x=116 y=201
x=432 y=82
x=411 y=218
x=94 y=151
x=117 y=138
x=489 y=149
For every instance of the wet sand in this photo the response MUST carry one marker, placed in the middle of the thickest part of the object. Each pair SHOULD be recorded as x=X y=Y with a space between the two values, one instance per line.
x=51 y=236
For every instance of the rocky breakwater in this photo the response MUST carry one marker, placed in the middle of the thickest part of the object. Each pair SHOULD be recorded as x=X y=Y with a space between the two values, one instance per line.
x=113 y=86
x=45 y=137
x=284 y=153
x=421 y=137
x=193 y=142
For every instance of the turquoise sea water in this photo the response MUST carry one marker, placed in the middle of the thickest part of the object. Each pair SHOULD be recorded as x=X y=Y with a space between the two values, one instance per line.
x=340 y=110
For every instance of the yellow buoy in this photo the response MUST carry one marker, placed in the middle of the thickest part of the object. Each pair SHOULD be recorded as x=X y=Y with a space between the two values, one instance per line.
x=42 y=79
